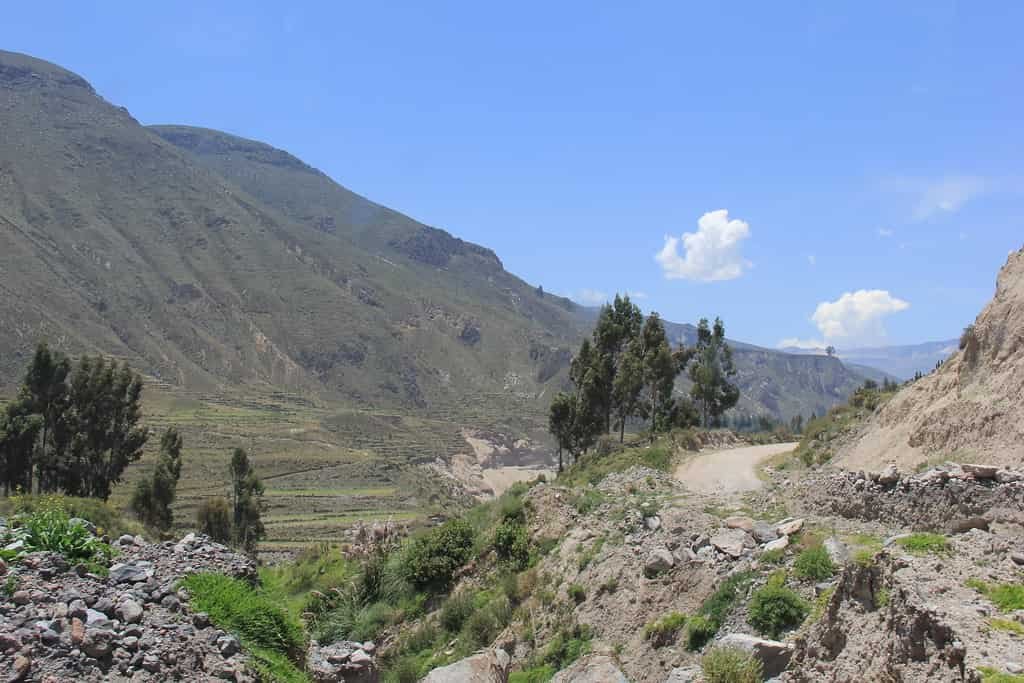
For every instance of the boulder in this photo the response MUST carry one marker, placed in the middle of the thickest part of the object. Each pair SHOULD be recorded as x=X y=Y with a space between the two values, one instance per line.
x=773 y=655
x=745 y=523
x=837 y=551
x=136 y=571
x=732 y=542
x=658 y=561
x=1009 y=476
x=778 y=544
x=685 y=674
x=341 y=661
x=652 y=523
x=981 y=471
x=789 y=526
x=764 y=532
x=959 y=526
x=489 y=666
x=889 y=476
x=595 y=668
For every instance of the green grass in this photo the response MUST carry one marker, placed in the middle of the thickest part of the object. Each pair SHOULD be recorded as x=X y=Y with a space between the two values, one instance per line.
x=924 y=543
x=774 y=608
x=265 y=628
x=716 y=608
x=1006 y=596
x=730 y=665
x=1007 y=625
x=378 y=492
x=663 y=631
x=540 y=674
x=990 y=675
x=593 y=468
x=814 y=564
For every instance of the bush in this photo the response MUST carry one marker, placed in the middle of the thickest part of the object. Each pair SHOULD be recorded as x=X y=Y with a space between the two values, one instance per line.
x=588 y=501
x=105 y=517
x=775 y=556
x=431 y=560
x=663 y=631
x=730 y=665
x=480 y=629
x=538 y=674
x=1007 y=597
x=699 y=630
x=236 y=606
x=814 y=564
x=512 y=544
x=214 y=519
x=456 y=610
x=576 y=593
x=775 y=608
x=566 y=646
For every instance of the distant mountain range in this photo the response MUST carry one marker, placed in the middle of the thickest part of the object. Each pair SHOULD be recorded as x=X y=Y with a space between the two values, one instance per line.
x=217 y=264
x=900 y=362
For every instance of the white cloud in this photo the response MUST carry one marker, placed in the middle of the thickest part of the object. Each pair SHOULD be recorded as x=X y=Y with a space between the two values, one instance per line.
x=795 y=343
x=812 y=259
x=637 y=296
x=857 y=317
x=944 y=195
x=712 y=253
x=884 y=232
x=591 y=297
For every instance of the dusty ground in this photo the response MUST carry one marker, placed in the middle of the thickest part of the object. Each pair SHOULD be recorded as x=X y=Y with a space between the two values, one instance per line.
x=729 y=471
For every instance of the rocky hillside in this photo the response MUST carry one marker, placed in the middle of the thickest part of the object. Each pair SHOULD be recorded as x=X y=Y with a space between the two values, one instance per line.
x=972 y=407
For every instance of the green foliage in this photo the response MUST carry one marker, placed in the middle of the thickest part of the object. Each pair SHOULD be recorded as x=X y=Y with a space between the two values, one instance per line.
x=609 y=586
x=246 y=499
x=1006 y=596
x=432 y=558
x=108 y=520
x=924 y=543
x=821 y=603
x=566 y=646
x=990 y=675
x=710 y=372
x=588 y=501
x=776 y=556
x=512 y=544
x=576 y=593
x=663 y=631
x=1007 y=625
x=49 y=527
x=538 y=674
x=236 y=606
x=775 y=608
x=213 y=517
x=153 y=496
x=588 y=555
x=814 y=564
x=718 y=605
x=699 y=631
x=456 y=610
x=730 y=665
x=276 y=667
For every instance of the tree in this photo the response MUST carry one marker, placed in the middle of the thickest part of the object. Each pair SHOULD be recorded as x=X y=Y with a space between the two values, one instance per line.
x=830 y=351
x=19 y=429
x=153 y=496
x=246 y=497
x=214 y=519
x=43 y=393
x=710 y=371
x=626 y=389
x=617 y=325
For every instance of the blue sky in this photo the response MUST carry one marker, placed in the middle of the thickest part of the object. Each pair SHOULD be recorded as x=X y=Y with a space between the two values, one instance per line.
x=867 y=149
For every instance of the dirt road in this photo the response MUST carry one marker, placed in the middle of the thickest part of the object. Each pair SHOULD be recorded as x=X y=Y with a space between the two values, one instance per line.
x=729 y=471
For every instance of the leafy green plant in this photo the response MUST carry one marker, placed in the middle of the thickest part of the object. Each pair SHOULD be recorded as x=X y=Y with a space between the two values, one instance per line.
x=512 y=544
x=663 y=631
x=775 y=608
x=924 y=543
x=730 y=665
x=456 y=610
x=699 y=630
x=715 y=610
x=576 y=593
x=431 y=559
x=776 y=556
x=538 y=674
x=49 y=527
x=814 y=564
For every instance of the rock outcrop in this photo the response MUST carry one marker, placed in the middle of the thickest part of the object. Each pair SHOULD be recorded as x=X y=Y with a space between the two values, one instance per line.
x=490 y=666
x=971 y=404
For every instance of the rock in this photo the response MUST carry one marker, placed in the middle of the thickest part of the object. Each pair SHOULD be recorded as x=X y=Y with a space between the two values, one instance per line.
x=889 y=476
x=892 y=539
x=686 y=674
x=490 y=666
x=21 y=597
x=1009 y=476
x=135 y=571
x=981 y=471
x=1017 y=558
x=788 y=527
x=89 y=526
x=837 y=551
x=130 y=612
x=773 y=655
x=732 y=542
x=228 y=645
x=653 y=523
x=3 y=568
x=200 y=619
x=660 y=560
x=98 y=642
x=745 y=523
x=764 y=532
x=22 y=665
x=341 y=661
x=779 y=544
x=594 y=668
x=1014 y=667
x=959 y=526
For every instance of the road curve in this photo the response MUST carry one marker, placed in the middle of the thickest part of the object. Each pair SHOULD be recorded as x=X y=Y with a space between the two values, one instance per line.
x=729 y=471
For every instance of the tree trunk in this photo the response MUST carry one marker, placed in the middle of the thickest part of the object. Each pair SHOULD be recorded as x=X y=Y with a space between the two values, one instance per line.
x=622 y=429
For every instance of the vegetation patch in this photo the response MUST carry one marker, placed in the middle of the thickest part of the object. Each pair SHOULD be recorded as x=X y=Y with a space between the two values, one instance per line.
x=774 y=608
x=990 y=675
x=924 y=543
x=1006 y=596
x=49 y=527
x=715 y=610
x=730 y=665
x=1007 y=625
x=814 y=564
x=663 y=631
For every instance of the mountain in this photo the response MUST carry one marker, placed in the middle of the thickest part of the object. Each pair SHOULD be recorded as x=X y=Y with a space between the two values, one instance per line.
x=218 y=265
x=970 y=408
x=897 y=362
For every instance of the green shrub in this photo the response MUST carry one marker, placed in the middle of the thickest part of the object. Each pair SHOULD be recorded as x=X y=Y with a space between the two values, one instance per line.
x=775 y=608
x=1007 y=625
x=104 y=516
x=566 y=646
x=538 y=674
x=924 y=543
x=236 y=606
x=609 y=586
x=276 y=667
x=430 y=560
x=1006 y=596
x=213 y=517
x=990 y=675
x=588 y=501
x=663 y=631
x=814 y=564
x=776 y=556
x=512 y=544
x=480 y=628
x=699 y=630
x=576 y=593
x=47 y=526
x=730 y=665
